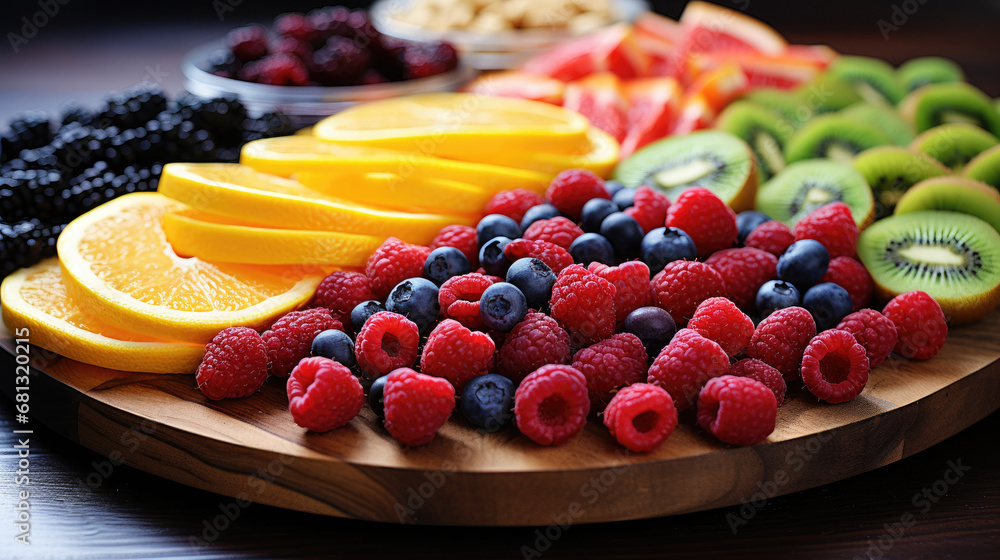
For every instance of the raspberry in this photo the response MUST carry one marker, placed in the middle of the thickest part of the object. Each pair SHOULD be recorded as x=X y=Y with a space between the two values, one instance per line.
x=744 y=271
x=341 y=292
x=513 y=203
x=460 y=237
x=737 y=410
x=833 y=226
x=719 y=320
x=295 y=25
x=558 y=230
x=572 y=188
x=387 y=341
x=920 y=324
x=291 y=45
x=682 y=285
x=872 y=330
x=289 y=339
x=685 y=364
x=834 y=366
x=456 y=353
x=416 y=405
x=611 y=364
x=781 y=338
x=584 y=305
x=340 y=62
x=551 y=404
x=534 y=342
x=323 y=394
x=554 y=256
x=281 y=69
x=641 y=417
x=393 y=262
x=706 y=218
x=649 y=208
x=235 y=364
x=756 y=369
x=248 y=43
x=428 y=59
x=852 y=276
x=773 y=237
x=459 y=298
x=632 y=289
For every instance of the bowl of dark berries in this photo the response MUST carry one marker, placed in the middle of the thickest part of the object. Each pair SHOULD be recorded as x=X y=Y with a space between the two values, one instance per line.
x=309 y=66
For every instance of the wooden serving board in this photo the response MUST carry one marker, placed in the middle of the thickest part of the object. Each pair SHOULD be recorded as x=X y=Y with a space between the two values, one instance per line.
x=250 y=449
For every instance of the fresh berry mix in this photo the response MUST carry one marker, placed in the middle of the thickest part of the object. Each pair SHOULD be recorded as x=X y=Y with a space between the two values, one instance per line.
x=835 y=367
x=686 y=364
x=459 y=298
x=747 y=221
x=502 y=307
x=649 y=208
x=492 y=258
x=387 y=341
x=488 y=401
x=719 y=320
x=536 y=341
x=853 y=277
x=584 y=304
x=631 y=281
x=594 y=212
x=920 y=324
x=416 y=405
x=393 y=262
x=828 y=303
x=551 y=404
x=554 y=256
x=624 y=233
x=737 y=410
x=290 y=338
x=664 y=245
x=323 y=394
x=781 y=338
x=456 y=353
x=364 y=310
x=335 y=345
x=704 y=217
x=682 y=285
x=539 y=212
x=460 y=237
x=773 y=237
x=609 y=365
x=775 y=295
x=833 y=226
x=417 y=300
x=558 y=230
x=874 y=331
x=444 y=263
x=744 y=270
x=535 y=280
x=572 y=188
x=235 y=364
x=654 y=327
x=641 y=417
x=758 y=370
x=513 y=203
x=803 y=263
x=496 y=225
x=341 y=292
x=592 y=247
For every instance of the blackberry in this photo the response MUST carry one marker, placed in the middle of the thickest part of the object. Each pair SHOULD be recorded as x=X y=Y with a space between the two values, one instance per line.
x=133 y=107
x=195 y=144
x=76 y=114
x=25 y=131
x=32 y=193
x=221 y=116
x=26 y=242
x=267 y=125
x=223 y=62
x=75 y=147
x=40 y=158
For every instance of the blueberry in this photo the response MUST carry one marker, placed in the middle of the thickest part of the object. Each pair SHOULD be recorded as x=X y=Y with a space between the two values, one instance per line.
x=502 y=306
x=540 y=212
x=624 y=233
x=613 y=187
x=624 y=198
x=828 y=303
x=654 y=327
x=748 y=221
x=803 y=263
x=594 y=212
x=491 y=256
x=445 y=262
x=376 y=394
x=363 y=311
x=535 y=280
x=666 y=245
x=336 y=345
x=417 y=300
x=592 y=247
x=775 y=295
x=488 y=401
x=496 y=225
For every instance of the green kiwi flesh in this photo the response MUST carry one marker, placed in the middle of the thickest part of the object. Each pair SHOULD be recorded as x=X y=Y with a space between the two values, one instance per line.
x=824 y=94
x=765 y=131
x=806 y=185
x=959 y=102
x=835 y=137
x=953 y=257
x=891 y=170
x=954 y=194
x=955 y=144
x=918 y=72
x=713 y=159
x=886 y=119
x=874 y=80
x=782 y=102
x=985 y=167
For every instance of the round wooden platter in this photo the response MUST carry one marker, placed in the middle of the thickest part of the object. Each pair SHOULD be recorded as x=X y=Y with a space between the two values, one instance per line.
x=250 y=449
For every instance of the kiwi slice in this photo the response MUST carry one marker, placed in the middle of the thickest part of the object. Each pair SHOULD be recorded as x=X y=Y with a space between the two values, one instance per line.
x=955 y=194
x=985 y=167
x=824 y=94
x=918 y=72
x=874 y=80
x=891 y=170
x=953 y=257
x=886 y=119
x=937 y=104
x=782 y=102
x=954 y=144
x=835 y=137
x=713 y=159
x=806 y=185
x=765 y=131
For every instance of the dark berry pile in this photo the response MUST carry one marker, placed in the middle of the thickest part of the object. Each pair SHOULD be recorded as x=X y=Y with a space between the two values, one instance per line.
x=53 y=170
x=331 y=46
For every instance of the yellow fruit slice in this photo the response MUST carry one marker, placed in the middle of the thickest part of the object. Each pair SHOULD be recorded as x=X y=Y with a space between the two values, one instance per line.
x=438 y=123
x=291 y=155
x=220 y=239
x=118 y=265
x=35 y=299
x=411 y=193
x=239 y=192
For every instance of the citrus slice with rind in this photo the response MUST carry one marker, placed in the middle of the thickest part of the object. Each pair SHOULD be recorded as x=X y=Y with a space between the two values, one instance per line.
x=409 y=193
x=118 y=265
x=36 y=299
